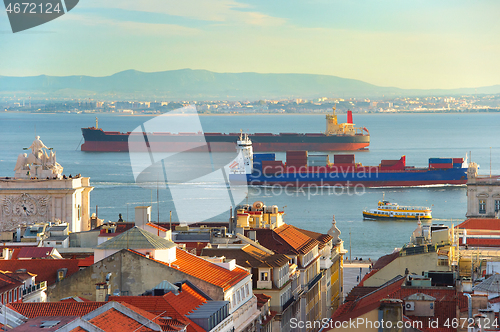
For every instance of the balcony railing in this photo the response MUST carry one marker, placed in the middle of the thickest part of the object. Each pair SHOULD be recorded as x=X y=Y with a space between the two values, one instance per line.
x=33 y=288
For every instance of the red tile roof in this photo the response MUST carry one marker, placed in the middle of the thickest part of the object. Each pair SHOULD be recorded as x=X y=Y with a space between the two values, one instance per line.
x=169 y=305
x=113 y=320
x=208 y=271
x=7 y=283
x=295 y=238
x=85 y=262
x=45 y=269
x=446 y=304
x=155 y=226
x=481 y=223
x=34 y=253
x=286 y=240
x=323 y=239
x=262 y=299
x=204 y=270
x=384 y=260
x=366 y=276
x=75 y=299
x=78 y=329
x=37 y=309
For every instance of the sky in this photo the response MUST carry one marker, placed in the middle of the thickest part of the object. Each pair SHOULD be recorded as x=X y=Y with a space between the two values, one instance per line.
x=419 y=44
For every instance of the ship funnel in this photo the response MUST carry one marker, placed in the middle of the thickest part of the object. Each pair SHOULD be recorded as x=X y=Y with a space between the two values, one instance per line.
x=349 y=116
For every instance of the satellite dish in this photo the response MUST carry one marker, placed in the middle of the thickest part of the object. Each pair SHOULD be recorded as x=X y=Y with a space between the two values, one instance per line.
x=258 y=205
x=116 y=292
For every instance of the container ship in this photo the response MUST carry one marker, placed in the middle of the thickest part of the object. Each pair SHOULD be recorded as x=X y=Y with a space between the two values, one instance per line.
x=304 y=170
x=337 y=137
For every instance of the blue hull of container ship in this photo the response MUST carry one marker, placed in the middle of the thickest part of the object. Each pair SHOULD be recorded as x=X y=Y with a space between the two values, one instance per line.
x=349 y=178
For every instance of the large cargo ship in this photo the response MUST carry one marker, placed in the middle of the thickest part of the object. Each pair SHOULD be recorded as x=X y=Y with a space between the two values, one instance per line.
x=337 y=137
x=304 y=170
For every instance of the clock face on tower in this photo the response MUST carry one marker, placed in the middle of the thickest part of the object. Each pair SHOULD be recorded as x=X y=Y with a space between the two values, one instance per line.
x=25 y=206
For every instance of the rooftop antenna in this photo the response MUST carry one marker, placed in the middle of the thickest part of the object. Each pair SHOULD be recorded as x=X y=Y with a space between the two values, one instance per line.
x=170 y=221
x=490 y=161
x=96 y=123
x=158 y=206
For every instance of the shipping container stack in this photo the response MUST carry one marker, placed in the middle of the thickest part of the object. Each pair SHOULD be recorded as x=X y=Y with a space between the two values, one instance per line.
x=296 y=160
x=318 y=160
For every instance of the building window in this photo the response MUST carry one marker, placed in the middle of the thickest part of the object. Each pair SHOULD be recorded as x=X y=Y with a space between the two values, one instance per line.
x=482 y=206
x=10 y=296
x=247 y=292
x=264 y=276
x=497 y=205
x=234 y=298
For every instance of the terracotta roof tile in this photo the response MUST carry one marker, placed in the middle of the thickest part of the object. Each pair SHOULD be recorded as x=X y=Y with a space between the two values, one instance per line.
x=45 y=269
x=204 y=270
x=322 y=238
x=34 y=253
x=85 y=262
x=7 y=283
x=114 y=321
x=384 y=260
x=169 y=305
x=286 y=240
x=78 y=329
x=36 y=309
x=262 y=299
x=446 y=304
x=298 y=240
x=481 y=223
x=248 y=256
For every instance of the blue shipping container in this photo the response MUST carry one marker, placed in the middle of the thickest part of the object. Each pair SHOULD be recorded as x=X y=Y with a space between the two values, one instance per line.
x=264 y=156
x=440 y=160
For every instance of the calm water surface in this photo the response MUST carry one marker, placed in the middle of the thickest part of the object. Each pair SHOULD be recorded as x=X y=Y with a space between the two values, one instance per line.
x=418 y=136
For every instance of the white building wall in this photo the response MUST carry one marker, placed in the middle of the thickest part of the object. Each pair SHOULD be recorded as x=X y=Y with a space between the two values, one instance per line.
x=47 y=200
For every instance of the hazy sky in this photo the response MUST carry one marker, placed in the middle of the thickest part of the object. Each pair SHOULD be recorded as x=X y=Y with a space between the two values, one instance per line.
x=402 y=43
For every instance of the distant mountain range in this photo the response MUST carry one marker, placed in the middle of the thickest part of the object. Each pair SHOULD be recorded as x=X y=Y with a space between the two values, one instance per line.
x=191 y=84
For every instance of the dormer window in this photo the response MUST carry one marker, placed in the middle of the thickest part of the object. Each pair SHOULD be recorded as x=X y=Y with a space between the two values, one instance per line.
x=264 y=276
x=61 y=274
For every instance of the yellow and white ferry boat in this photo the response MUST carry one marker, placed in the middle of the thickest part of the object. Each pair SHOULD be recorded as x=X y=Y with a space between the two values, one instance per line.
x=387 y=210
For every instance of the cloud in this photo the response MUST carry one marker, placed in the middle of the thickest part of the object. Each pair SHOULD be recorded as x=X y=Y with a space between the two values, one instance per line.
x=227 y=11
x=135 y=28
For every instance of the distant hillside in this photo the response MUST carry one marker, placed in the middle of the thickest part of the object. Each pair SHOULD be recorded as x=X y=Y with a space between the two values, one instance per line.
x=203 y=84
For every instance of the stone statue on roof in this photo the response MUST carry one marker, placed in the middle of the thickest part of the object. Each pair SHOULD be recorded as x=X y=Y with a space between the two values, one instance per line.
x=36 y=148
x=38 y=164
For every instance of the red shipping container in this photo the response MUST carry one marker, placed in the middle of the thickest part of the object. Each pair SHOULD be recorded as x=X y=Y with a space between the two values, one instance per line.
x=343 y=159
x=458 y=160
x=441 y=165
